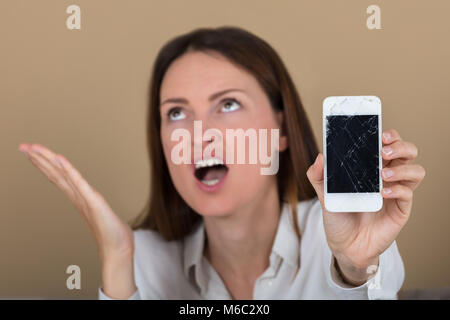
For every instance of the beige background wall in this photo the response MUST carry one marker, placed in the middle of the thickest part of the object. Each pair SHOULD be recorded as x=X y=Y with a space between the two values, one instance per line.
x=83 y=94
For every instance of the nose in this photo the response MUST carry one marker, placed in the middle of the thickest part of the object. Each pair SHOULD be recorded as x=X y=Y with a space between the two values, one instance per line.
x=204 y=135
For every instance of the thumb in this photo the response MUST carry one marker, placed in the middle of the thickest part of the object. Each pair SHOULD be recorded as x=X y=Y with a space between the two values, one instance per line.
x=315 y=176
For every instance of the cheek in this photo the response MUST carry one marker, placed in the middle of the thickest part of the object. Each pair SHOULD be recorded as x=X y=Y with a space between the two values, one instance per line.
x=246 y=183
x=168 y=146
x=180 y=174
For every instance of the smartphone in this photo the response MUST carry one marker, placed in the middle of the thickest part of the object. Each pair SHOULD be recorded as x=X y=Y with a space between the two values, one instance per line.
x=351 y=148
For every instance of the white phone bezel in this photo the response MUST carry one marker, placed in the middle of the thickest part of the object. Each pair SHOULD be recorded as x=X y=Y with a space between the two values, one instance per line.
x=352 y=202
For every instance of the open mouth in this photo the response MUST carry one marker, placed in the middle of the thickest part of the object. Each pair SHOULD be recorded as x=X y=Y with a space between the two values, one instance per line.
x=210 y=171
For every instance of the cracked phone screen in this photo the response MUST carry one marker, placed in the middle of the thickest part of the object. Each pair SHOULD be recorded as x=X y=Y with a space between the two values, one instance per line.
x=352 y=153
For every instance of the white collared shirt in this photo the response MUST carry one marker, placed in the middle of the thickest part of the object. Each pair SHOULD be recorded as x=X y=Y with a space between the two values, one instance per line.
x=178 y=270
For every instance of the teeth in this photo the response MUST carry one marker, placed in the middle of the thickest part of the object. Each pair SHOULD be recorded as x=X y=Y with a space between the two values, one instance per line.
x=210 y=182
x=208 y=163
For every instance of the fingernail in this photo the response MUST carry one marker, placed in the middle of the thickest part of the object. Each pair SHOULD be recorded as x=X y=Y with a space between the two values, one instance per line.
x=387 y=136
x=388 y=173
x=387 y=190
x=387 y=150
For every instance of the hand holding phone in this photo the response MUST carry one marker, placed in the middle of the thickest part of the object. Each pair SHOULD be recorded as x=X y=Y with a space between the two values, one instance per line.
x=357 y=238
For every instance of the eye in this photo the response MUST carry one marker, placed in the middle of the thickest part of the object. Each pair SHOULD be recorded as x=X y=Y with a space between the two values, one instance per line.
x=176 y=114
x=230 y=105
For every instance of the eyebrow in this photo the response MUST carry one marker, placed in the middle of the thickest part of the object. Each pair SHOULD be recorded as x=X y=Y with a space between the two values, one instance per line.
x=211 y=98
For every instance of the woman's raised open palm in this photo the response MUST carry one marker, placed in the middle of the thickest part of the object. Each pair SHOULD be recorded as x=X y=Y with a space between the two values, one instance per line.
x=114 y=238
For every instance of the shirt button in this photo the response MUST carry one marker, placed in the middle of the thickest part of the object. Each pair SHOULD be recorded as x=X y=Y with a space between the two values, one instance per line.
x=269 y=282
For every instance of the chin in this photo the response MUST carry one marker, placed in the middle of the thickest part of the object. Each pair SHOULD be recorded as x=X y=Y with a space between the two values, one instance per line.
x=213 y=206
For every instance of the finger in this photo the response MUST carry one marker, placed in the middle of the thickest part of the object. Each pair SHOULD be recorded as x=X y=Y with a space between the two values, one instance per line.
x=403 y=196
x=52 y=158
x=50 y=171
x=409 y=172
x=87 y=197
x=45 y=153
x=24 y=147
x=48 y=158
x=399 y=150
x=81 y=200
x=390 y=136
x=315 y=176
x=87 y=193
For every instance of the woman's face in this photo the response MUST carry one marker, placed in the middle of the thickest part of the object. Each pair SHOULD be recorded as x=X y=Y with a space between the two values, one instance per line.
x=196 y=77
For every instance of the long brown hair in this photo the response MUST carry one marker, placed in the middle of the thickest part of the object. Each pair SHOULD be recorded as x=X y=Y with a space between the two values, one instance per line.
x=165 y=211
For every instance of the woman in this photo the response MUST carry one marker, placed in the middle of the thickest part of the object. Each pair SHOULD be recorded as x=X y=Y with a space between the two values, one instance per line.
x=224 y=230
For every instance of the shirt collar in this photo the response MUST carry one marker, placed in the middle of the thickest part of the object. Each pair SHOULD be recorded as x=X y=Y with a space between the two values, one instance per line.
x=286 y=243
x=193 y=247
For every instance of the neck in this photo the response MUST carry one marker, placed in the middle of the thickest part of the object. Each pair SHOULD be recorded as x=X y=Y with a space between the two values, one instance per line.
x=239 y=244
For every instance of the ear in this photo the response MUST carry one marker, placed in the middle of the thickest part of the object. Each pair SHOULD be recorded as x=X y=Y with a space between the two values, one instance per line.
x=283 y=145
